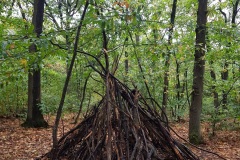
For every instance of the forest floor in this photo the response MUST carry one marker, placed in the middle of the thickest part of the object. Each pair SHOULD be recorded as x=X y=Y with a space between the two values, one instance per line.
x=18 y=143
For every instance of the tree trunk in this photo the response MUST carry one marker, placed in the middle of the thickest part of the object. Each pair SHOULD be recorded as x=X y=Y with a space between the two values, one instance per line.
x=225 y=71
x=215 y=99
x=34 y=114
x=198 y=74
x=126 y=65
x=167 y=62
x=215 y=94
x=224 y=76
x=178 y=88
x=59 y=111
x=165 y=88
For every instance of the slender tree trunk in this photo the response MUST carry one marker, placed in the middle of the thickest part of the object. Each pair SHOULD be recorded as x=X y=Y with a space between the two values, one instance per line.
x=215 y=94
x=225 y=71
x=198 y=74
x=59 y=112
x=34 y=115
x=215 y=99
x=83 y=97
x=224 y=76
x=167 y=62
x=213 y=75
x=178 y=88
x=126 y=67
x=165 y=88
x=68 y=43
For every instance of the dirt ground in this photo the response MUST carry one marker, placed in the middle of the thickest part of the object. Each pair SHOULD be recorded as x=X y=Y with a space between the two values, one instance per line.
x=225 y=143
x=17 y=143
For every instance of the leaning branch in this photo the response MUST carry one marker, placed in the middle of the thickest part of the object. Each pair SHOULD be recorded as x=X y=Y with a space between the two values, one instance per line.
x=59 y=112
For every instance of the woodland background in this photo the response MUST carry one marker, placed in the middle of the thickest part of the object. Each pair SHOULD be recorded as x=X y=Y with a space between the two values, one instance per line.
x=151 y=50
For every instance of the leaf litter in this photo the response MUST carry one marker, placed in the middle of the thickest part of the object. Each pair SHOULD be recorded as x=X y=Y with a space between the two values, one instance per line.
x=18 y=143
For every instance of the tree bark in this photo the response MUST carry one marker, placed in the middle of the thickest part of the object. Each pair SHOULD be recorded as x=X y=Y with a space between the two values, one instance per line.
x=215 y=94
x=59 y=112
x=126 y=66
x=167 y=62
x=198 y=74
x=224 y=76
x=224 y=73
x=178 y=88
x=34 y=115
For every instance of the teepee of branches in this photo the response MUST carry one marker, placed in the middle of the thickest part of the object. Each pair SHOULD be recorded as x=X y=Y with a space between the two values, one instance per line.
x=123 y=126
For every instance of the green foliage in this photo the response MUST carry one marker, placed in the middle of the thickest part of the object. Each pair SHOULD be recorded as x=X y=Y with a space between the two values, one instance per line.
x=123 y=22
x=13 y=95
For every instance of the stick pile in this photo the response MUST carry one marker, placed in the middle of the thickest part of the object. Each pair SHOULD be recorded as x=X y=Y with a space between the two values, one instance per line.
x=121 y=127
